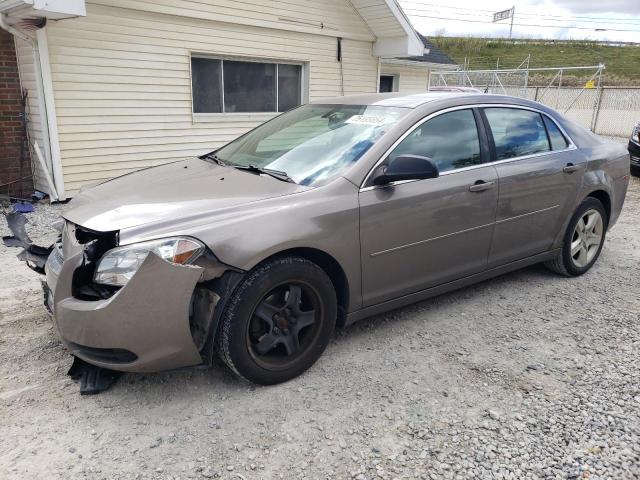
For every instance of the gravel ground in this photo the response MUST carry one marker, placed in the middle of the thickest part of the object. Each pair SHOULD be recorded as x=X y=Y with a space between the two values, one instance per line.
x=525 y=376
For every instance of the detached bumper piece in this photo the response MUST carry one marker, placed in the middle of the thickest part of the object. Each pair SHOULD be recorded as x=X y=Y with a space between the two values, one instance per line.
x=93 y=379
x=34 y=255
x=47 y=297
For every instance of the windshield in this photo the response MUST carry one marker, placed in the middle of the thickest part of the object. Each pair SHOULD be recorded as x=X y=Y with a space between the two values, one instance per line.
x=313 y=143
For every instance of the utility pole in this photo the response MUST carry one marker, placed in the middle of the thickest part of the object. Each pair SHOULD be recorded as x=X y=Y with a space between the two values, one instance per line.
x=513 y=13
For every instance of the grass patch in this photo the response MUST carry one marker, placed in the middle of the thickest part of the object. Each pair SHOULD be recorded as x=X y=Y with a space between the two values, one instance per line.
x=622 y=61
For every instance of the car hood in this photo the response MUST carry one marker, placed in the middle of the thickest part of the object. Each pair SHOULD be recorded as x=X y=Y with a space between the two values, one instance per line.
x=173 y=192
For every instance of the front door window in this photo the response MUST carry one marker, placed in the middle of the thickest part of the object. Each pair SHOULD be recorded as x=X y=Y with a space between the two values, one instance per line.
x=450 y=140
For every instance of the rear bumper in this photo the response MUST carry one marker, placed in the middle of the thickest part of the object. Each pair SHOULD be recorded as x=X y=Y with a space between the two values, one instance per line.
x=143 y=327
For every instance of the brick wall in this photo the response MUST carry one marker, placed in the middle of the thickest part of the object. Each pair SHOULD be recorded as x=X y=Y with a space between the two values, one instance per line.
x=10 y=123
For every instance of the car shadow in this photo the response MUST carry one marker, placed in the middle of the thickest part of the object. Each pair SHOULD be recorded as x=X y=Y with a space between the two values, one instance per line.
x=534 y=273
x=186 y=380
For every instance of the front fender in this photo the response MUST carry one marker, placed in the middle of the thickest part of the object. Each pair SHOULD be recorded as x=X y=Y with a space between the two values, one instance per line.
x=324 y=218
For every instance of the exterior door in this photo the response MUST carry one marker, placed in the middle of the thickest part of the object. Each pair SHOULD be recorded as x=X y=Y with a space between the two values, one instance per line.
x=418 y=234
x=539 y=172
x=387 y=83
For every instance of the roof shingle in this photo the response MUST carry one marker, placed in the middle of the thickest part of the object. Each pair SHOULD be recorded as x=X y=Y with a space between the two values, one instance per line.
x=435 y=55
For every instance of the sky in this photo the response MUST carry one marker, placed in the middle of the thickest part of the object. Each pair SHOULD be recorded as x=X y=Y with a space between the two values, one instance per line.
x=611 y=20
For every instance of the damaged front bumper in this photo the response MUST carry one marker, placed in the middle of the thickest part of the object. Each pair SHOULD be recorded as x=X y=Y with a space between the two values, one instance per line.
x=142 y=327
x=162 y=319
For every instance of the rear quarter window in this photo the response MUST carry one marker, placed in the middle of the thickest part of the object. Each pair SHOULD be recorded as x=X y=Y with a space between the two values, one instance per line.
x=556 y=138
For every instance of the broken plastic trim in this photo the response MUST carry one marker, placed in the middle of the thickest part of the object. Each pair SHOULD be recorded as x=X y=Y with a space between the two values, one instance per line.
x=34 y=255
x=95 y=245
x=93 y=379
x=223 y=288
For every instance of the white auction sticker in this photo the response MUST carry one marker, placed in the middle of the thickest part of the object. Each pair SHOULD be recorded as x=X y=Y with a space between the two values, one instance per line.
x=366 y=120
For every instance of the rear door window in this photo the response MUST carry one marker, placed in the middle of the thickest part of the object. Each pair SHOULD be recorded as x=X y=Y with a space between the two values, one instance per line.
x=450 y=140
x=517 y=132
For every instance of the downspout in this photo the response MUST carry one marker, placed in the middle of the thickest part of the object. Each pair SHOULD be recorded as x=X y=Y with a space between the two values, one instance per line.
x=52 y=120
x=339 y=58
x=46 y=113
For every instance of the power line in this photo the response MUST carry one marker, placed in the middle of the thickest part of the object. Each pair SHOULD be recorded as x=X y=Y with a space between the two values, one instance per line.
x=417 y=12
x=536 y=15
x=520 y=24
x=476 y=14
x=602 y=24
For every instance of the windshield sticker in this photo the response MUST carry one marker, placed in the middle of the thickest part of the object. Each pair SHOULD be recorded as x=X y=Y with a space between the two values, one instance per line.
x=366 y=120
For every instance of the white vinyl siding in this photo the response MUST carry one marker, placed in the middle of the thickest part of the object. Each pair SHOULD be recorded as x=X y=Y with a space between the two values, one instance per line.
x=28 y=72
x=378 y=16
x=123 y=89
x=409 y=78
x=337 y=18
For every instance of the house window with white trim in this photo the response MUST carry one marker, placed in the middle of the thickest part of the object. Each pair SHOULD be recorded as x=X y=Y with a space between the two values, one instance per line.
x=234 y=86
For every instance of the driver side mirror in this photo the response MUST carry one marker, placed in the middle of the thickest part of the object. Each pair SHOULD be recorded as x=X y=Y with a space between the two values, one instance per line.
x=406 y=167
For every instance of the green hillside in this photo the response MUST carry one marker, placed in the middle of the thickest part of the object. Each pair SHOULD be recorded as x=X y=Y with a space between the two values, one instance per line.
x=622 y=61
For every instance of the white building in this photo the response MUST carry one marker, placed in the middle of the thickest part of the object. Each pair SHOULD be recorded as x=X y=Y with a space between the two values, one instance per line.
x=119 y=85
x=411 y=74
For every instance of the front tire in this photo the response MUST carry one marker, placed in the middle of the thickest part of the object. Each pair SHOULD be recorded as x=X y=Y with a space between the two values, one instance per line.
x=583 y=239
x=278 y=321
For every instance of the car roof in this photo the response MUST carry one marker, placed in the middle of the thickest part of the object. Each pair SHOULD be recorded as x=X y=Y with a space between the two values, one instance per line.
x=440 y=88
x=405 y=100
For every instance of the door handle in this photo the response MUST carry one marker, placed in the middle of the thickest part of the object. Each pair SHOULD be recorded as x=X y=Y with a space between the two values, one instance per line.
x=570 y=168
x=481 y=186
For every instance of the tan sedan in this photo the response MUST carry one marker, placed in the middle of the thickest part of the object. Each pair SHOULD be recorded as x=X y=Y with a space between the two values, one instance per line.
x=325 y=215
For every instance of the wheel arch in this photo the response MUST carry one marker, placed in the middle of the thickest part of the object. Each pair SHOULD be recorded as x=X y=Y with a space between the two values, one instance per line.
x=604 y=198
x=599 y=193
x=331 y=267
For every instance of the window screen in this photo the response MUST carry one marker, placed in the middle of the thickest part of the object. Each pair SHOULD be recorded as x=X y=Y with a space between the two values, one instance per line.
x=249 y=87
x=220 y=85
x=450 y=140
x=517 y=132
x=207 y=92
x=557 y=139
x=289 y=87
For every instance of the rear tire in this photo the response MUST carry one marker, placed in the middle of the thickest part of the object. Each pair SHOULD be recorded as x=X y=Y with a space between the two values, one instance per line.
x=583 y=240
x=278 y=321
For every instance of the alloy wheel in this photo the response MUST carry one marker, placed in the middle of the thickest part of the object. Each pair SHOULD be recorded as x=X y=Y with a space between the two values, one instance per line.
x=284 y=324
x=587 y=237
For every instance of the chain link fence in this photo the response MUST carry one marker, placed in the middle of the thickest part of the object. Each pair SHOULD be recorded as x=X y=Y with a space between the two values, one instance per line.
x=575 y=92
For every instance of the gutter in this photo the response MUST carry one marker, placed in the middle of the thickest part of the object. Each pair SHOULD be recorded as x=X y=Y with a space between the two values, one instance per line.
x=416 y=63
x=44 y=85
x=16 y=33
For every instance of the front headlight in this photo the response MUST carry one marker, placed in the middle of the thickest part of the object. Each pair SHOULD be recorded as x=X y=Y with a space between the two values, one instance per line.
x=117 y=266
